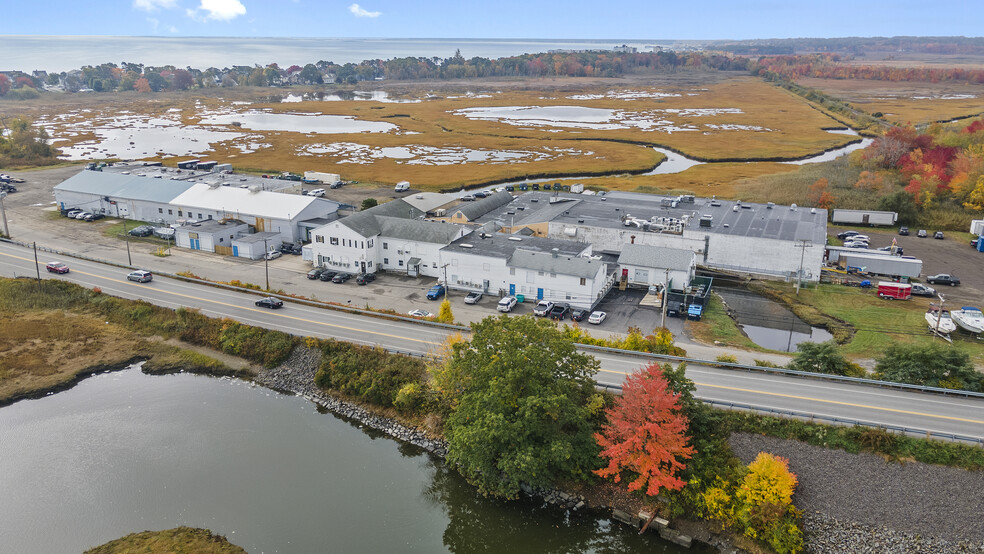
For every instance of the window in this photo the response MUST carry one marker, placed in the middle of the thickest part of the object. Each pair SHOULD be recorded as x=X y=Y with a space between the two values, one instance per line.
x=583 y=281
x=319 y=238
x=210 y=216
x=180 y=214
x=435 y=265
x=160 y=210
x=512 y=270
x=370 y=243
x=454 y=262
x=333 y=240
x=386 y=261
x=553 y=275
x=401 y=263
x=221 y=239
x=199 y=216
x=170 y=211
x=385 y=246
x=363 y=243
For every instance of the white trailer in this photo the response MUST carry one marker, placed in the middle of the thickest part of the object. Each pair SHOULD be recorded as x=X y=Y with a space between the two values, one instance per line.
x=977 y=227
x=892 y=266
x=577 y=188
x=325 y=178
x=864 y=217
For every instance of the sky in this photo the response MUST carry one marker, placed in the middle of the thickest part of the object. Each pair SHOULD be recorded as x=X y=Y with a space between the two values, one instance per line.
x=546 y=19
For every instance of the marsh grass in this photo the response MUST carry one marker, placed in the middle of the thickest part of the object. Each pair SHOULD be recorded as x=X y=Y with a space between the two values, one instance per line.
x=169 y=541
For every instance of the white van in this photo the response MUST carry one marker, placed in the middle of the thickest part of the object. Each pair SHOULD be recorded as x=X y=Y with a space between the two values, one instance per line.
x=506 y=304
x=402 y=186
x=317 y=192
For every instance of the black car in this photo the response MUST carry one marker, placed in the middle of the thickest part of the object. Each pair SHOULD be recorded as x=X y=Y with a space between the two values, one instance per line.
x=270 y=302
x=847 y=234
x=316 y=272
x=904 y=231
x=510 y=188
x=579 y=314
x=287 y=248
x=559 y=311
x=327 y=275
x=341 y=277
x=536 y=186
x=943 y=279
x=142 y=231
x=365 y=278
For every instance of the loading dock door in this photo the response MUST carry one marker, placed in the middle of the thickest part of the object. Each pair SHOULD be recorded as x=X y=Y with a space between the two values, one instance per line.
x=539 y=294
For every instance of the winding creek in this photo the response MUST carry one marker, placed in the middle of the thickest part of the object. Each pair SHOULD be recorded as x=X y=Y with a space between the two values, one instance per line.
x=124 y=452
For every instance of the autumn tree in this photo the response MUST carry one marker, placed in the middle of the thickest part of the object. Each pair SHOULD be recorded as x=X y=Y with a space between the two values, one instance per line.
x=444 y=314
x=975 y=200
x=870 y=181
x=4 y=84
x=141 y=85
x=765 y=507
x=527 y=407
x=819 y=195
x=646 y=434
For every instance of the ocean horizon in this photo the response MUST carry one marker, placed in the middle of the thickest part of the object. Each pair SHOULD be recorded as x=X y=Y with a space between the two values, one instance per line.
x=62 y=53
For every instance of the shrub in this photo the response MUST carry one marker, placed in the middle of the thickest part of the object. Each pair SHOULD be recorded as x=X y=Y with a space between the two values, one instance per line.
x=369 y=374
x=823 y=357
x=727 y=359
x=933 y=366
x=410 y=398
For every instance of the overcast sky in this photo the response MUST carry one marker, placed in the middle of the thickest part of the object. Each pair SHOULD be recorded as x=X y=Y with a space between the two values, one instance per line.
x=558 y=19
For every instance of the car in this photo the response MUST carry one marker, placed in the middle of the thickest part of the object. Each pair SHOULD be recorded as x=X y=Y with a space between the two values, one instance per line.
x=365 y=278
x=270 y=302
x=72 y=213
x=847 y=234
x=943 y=279
x=579 y=314
x=142 y=231
x=327 y=275
x=898 y=249
x=272 y=255
x=56 y=267
x=853 y=244
x=596 y=317
x=93 y=217
x=510 y=188
x=938 y=235
x=467 y=198
x=904 y=231
x=140 y=276
x=317 y=192
x=922 y=233
x=480 y=194
x=919 y=289
x=860 y=238
x=419 y=313
x=341 y=277
x=542 y=308
x=560 y=311
x=335 y=185
x=287 y=248
x=316 y=272
x=83 y=215
x=436 y=292
x=473 y=297
x=506 y=304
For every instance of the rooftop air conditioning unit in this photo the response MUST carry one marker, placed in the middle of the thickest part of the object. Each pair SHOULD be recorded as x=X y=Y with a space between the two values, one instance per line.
x=254 y=189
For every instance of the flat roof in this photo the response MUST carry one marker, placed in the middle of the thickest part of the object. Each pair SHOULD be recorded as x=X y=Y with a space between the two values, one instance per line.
x=501 y=245
x=261 y=203
x=129 y=187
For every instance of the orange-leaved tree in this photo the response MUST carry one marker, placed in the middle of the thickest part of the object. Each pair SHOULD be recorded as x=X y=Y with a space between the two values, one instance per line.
x=646 y=434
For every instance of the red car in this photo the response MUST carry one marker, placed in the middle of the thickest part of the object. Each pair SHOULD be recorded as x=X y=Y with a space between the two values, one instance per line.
x=56 y=267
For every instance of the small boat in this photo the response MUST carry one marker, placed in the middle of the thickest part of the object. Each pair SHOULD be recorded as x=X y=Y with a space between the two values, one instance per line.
x=940 y=323
x=969 y=319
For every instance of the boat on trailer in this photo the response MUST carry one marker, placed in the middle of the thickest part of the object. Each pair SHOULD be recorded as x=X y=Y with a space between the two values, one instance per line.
x=940 y=323
x=969 y=319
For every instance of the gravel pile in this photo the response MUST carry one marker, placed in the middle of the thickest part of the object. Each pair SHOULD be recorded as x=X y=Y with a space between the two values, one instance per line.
x=860 y=499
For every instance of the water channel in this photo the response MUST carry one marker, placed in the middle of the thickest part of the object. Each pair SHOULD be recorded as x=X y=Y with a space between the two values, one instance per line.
x=769 y=324
x=124 y=452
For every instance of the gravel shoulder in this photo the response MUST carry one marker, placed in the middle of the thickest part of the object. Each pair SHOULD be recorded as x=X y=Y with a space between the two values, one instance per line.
x=863 y=495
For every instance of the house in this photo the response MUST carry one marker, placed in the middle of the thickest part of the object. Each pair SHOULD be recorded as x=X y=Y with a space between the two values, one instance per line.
x=645 y=265
x=535 y=267
x=390 y=237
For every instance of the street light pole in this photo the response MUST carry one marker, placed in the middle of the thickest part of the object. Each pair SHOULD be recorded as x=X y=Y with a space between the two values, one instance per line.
x=3 y=211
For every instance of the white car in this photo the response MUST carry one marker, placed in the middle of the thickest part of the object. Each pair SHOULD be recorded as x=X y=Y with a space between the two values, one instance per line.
x=419 y=313
x=597 y=317
x=506 y=304
x=273 y=255
x=543 y=308
x=473 y=298
x=83 y=215
x=317 y=192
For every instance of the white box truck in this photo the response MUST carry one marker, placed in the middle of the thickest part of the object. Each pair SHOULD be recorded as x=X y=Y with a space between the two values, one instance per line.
x=325 y=178
x=977 y=227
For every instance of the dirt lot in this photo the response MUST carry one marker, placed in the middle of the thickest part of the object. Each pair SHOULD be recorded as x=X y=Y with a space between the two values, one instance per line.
x=952 y=255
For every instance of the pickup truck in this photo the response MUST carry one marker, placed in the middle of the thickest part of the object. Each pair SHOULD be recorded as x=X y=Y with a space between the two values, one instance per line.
x=542 y=308
x=943 y=279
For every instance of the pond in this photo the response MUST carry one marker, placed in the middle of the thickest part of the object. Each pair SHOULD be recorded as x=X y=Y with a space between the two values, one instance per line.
x=124 y=452
x=299 y=122
x=769 y=324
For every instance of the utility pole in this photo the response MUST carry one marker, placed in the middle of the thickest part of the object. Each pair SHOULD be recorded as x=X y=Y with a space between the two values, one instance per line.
x=666 y=297
x=126 y=236
x=266 y=265
x=939 y=314
x=445 y=267
x=3 y=211
x=803 y=245
x=37 y=266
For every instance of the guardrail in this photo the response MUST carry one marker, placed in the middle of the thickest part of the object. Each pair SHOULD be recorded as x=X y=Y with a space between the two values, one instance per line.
x=847 y=421
x=788 y=372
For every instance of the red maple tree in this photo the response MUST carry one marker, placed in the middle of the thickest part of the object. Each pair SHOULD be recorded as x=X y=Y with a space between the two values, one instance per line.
x=646 y=434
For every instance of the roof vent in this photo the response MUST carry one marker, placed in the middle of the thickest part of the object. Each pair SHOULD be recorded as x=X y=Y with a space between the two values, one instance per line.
x=792 y=207
x=554 y=251
x=517 y=239
x=770 y=205
x=466 y=245
x=813 y=210
x=534 y=199
x=580 y=221
x=213 y=185
x=254 y=188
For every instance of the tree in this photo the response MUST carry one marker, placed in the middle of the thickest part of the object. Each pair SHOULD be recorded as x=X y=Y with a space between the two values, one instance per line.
x=822 y=357
x=526 y=410
x=4 y=84
x=646 y=434
x=901 y=203
x=141 y=85
x=183 y=79
x=819 y=195
x=933 y=366
x=764 y=503
x=24 y=143
x=369 y=203
x=310 y=74
x=975 y=200
x=444 y=314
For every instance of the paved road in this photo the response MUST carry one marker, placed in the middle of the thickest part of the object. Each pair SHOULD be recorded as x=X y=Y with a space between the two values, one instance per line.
x=877 y=405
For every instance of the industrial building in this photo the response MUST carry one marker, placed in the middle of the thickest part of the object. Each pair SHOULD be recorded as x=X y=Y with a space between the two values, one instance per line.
x=763 y=240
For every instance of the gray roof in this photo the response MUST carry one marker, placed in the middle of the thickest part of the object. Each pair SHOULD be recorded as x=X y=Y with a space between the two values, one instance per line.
x=211 y=226
x=475 y=210
x=368 y=223
x=500 y=245
x=532 y=207
x=656 y=257
x=128 y=187
x=421 y=231
x=257 y=237
x=561 y=265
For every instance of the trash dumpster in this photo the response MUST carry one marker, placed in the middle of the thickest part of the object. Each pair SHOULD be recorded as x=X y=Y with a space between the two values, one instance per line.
x=520 y=298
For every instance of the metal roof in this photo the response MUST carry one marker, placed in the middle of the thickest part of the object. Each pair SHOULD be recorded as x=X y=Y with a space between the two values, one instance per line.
x=474 y=210
x=257 y=237
x=500 y=245
x=561 y=265
x=365 y=223
x=271 y=205
x=421 y=231
x=428 y=201
x=657 y=257
x=126 y=187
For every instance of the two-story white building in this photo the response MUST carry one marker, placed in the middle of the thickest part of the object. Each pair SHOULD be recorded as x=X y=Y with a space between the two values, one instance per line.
x=387 y=237
x=535 y=267
x=645 y=265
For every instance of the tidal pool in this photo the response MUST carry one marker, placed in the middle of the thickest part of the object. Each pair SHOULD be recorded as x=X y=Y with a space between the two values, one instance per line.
x=299 y=122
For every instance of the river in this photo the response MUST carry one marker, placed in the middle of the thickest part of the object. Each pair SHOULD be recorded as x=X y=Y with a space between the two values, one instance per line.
x=124 y=452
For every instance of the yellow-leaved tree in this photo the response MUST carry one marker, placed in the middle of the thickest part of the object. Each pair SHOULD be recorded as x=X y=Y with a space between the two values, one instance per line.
x=444 y=315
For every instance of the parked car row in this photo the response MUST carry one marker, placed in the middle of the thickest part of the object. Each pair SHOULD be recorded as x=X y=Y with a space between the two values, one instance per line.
x=82 y=215
x=325 y=274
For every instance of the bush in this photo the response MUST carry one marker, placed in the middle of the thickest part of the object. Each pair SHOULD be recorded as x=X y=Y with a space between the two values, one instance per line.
x=933 y=366
x=369 y=374
x=727 y=359
x=410 y=398
x=823 y=358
